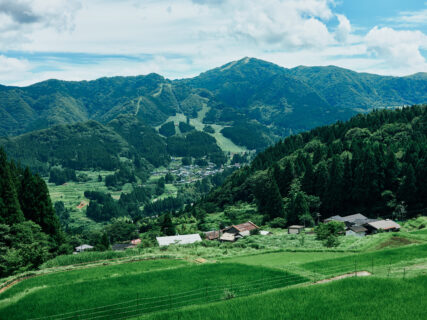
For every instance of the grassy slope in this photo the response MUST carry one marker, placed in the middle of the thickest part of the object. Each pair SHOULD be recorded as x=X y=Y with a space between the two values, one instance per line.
x=82 y=289
x=365 y=260
x=354 y=298
x=224 y=143
x=283 y=259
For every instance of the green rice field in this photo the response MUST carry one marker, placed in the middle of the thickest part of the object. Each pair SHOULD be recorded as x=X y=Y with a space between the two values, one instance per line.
x=352 y=298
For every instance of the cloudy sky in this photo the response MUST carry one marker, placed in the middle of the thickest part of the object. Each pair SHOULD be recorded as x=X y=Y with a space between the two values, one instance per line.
x=88 y=39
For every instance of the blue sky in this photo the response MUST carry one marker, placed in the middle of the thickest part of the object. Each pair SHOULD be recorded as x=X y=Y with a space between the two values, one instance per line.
x=83 y=40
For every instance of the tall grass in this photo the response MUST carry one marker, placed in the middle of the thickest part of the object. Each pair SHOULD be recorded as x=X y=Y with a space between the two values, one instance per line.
x=353 y=298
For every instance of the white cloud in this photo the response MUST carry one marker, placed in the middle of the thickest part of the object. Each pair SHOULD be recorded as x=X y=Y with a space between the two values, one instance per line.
x=185 y=37
x=410 y=18
x=343 y=29
x=398 y=48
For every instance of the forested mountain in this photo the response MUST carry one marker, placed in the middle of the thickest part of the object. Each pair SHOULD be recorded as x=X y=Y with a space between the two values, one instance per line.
x=272 y=100
x=88 y=145
x=375 y=164
x=29 y=228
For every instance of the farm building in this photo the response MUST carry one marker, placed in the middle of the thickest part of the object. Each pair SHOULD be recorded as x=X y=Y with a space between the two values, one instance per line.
x=184 y=239
x=295 y=229
x=212 y=235
x=357 y=231
x=228 y=237
x=83 y=247
x=384 y=225
x=244 y=229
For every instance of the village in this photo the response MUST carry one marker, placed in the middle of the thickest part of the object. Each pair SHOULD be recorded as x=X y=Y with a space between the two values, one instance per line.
x=185 y=174
x=355 y=225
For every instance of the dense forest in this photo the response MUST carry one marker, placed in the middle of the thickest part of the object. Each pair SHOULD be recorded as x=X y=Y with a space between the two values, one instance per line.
x=375 y=164
x=30 y=232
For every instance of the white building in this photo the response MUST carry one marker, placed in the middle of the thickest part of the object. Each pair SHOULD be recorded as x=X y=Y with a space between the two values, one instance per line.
x=184 y=239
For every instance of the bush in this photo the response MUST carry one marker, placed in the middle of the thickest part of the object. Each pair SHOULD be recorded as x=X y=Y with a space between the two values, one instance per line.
x=325 y=230
x=331 y=241
x=278 y=223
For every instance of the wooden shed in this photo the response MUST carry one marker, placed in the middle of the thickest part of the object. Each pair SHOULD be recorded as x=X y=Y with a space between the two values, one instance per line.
x=295 y=229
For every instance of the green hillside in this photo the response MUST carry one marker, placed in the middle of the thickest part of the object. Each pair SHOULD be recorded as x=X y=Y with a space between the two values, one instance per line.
x=249 y=92
x=374 y=164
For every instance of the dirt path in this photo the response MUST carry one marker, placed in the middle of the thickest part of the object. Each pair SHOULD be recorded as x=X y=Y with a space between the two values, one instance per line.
x=347 y=275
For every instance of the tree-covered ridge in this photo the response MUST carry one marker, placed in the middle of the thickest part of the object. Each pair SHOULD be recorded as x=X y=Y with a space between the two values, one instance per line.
x=375 y=164
x=91 y=145
x=280 y=101
x=30 y=231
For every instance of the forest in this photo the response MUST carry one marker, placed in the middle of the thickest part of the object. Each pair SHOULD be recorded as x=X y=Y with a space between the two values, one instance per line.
x=375 y=164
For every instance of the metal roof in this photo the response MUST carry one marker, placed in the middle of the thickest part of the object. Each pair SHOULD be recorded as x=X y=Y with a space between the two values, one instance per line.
x=353 y=217
x=358 y=229
x=296 y=227
x=247 y=226
x=384 y=225
x=183 y=239
x=83 y=247
x=228 y=237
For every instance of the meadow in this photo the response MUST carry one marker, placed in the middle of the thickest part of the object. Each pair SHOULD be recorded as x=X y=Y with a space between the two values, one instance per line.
x=135 y=288
x=353 y=298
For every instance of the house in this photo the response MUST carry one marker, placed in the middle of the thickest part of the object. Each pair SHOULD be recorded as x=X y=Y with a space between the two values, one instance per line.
x=135 y=241
x=348 y=220
x=83 y=247
x=122 y=246
x=228 y=237
x=212 y=235
x=295 y=229
x=384 y=225
x=244 y=229
x=357 y=231
x=183 y=239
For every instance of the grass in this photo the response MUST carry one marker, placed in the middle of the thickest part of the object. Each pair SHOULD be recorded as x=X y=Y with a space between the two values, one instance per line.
x=353 y=298
x=283 y=259
x=367 y=260
x=136 y=285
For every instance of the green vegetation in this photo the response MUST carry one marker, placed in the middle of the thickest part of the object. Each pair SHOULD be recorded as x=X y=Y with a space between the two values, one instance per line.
x=355 y=298
x=167 y=129
x=366 y=165
x=30 y=232
x=83 y=289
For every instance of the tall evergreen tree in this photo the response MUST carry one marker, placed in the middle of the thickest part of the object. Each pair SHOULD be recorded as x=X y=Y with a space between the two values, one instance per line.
x=10 y=211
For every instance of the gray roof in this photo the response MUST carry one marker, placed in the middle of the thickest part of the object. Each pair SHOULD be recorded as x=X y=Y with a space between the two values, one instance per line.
x=354 y=217
x=296 y=227
x=183 y=239
x=335 y=218
x=83 y=247
x=384 y=225
x=358 y=229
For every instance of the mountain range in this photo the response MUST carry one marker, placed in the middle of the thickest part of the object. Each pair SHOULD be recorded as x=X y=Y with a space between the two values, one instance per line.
x=250 y=102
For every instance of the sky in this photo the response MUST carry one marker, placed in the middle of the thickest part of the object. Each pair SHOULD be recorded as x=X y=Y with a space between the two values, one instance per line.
x=89 y=39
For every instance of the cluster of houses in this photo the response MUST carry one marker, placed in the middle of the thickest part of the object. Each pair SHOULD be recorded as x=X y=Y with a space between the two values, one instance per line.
x=359 y=225
x=228 y=234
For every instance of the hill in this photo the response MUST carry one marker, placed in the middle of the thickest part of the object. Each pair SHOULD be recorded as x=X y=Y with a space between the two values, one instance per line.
x=275 y=101
x=375 y=164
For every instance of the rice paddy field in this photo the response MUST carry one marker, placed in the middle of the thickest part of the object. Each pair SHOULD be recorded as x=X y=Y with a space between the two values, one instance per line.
x=135 y=288
x=239 y=281
x=353 y=298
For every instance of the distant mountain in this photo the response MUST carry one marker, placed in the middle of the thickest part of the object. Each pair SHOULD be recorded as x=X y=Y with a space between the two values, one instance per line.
x=94 y=145
x=250 y=93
